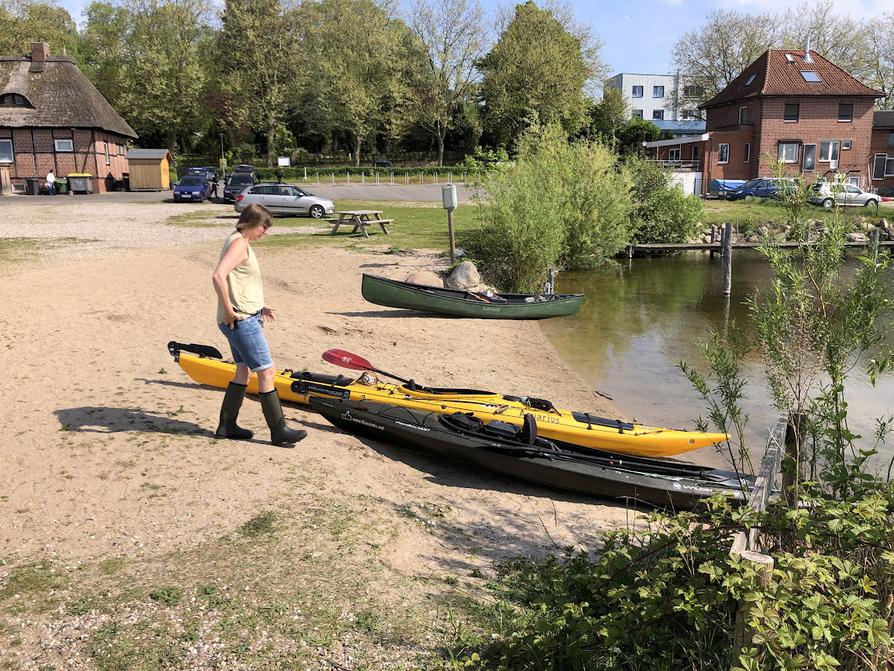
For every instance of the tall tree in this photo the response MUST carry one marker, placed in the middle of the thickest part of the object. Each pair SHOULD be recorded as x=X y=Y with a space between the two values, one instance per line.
x=523 y=84
x=452 y=34
x=26 y=21
x=607 y=117
x=148 y=59
x=360 y=85
x=256 y=55
x=880 y=58
x=712 y=56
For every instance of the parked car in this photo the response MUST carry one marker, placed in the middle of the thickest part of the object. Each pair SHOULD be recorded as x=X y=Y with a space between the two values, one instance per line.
x=284 y=199
x=762 y=187
x=382 y=163
x=206 y=171
x=192 y=187
x=823 y=193
x=245 y=168
x=236 y=184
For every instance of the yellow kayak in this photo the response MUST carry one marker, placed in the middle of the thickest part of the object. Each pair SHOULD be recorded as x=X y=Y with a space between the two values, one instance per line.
x=578 y=428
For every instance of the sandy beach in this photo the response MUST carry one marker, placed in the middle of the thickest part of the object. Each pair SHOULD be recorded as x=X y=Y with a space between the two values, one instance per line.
x=108 y=449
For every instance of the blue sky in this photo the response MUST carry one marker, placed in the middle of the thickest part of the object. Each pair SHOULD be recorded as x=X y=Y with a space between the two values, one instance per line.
x=638 y=35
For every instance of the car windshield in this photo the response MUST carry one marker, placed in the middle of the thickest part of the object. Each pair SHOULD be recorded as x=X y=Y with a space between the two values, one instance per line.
x=191 y=181
x=751 y=184
x=241 y=179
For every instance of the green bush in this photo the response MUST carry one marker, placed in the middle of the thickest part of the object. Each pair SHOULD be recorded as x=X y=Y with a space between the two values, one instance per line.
x=661 y=211
x=558 y=204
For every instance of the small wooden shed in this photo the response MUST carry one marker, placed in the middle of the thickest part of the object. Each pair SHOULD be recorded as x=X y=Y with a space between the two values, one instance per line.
x=149 y=169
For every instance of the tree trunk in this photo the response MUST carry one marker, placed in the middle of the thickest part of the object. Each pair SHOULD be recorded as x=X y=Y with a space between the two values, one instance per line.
x=271 y=143
x=172 y=141
x=357 y=142
x=441 y=132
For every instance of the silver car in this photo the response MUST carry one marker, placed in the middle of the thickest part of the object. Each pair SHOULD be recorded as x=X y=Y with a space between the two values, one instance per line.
x=846 y=195
x=284 y=199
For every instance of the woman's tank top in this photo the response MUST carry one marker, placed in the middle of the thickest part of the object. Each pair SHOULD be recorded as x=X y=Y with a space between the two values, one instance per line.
x=244 y=285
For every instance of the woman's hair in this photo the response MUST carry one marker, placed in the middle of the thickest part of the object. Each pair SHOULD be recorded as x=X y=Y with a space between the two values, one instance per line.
x=253 y=216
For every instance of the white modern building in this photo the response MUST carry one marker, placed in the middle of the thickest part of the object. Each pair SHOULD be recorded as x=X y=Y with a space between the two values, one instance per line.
x=655 y=97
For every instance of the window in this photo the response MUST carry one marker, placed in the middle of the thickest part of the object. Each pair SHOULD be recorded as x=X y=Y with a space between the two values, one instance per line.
x=750 y=79
x=64 y=145
x=829 y=151
x=694 y=152
x=693 y=91
x=722 y=153
x=673 y=154
x=14 y=100
x=809 y=162
x=891 y=139
x=637 y=92
x=6 y=155
x=637 y=114
x=108 y=159
x=743 y=115
x=845 y=111
x=747 y=152
x=788 y=152
x=853 y=185
x=846 y=144
x=790 y=58
x=811 y=76
x=792 y=112
x=658 y=114
x=882 y=166
x=657 y=91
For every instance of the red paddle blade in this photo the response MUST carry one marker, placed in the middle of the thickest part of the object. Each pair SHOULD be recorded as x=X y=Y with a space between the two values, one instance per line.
x=346 y=360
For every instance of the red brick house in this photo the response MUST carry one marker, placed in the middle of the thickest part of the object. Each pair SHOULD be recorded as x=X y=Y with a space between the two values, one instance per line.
x=792 y=105
x=53 y=118
x=882 y=148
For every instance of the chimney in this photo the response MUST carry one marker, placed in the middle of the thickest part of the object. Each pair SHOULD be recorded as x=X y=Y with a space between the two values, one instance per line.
x=40 y=51
x=807 y=58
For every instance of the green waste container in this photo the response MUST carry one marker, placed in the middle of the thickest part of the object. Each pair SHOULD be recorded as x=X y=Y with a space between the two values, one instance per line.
x=61 y=185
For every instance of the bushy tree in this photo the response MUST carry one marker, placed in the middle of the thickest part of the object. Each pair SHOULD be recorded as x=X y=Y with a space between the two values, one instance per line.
x=634 y=132
x=524 y=85
x=661 y=211
x=608 y=116
x=25 y=21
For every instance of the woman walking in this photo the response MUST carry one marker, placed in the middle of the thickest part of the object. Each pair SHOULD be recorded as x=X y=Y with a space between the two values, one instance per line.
x=241 y=314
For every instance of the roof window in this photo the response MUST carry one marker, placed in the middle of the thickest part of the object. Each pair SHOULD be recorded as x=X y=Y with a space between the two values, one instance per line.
x=14 y=100
x=790 y=58
x=750 y=79
x=811 y=76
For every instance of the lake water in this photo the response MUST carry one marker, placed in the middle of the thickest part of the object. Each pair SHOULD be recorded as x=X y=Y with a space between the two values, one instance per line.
x=642 y=317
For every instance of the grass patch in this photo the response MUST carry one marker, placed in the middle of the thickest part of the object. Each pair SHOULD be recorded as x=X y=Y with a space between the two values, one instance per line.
x=200 y=219
x=258 y=525
x=755 y=212
x=416 y=226
x=167 y=595
x=31 y=579
x=13 y=249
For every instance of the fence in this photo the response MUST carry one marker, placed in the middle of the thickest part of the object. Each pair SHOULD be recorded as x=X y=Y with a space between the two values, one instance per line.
x=375 y=177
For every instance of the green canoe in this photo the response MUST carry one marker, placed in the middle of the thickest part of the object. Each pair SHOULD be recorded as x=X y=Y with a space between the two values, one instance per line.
x=394 y=294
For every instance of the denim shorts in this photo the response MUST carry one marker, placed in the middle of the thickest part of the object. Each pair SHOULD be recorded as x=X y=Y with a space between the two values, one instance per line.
x=248 y=343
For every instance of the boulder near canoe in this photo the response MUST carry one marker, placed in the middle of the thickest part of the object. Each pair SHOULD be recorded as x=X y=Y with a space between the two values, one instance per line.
x=459 y=303
x=204 y=365
x=518 y=452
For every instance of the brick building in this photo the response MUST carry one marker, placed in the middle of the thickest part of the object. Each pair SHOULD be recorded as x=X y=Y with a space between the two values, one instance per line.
x=794 y=106
x=53 y=118
x=882 y=149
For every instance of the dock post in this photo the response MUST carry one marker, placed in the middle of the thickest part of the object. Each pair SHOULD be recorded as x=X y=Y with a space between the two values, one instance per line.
x=727 y=258
x=713 y=238
x=629 y=251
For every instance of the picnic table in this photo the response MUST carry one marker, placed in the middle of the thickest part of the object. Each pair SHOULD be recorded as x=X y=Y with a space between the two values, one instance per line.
x=359 y=219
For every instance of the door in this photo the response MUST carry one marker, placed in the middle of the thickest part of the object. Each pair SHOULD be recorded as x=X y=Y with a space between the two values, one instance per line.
x=809 y=163
x=851 y=193
x=301 y=201
x=829 y=150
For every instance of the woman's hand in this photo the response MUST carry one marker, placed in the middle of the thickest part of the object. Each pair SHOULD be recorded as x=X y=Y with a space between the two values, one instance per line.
x=268 y=313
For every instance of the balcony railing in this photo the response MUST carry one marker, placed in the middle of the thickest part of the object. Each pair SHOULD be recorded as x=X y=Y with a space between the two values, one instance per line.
x=692 y=166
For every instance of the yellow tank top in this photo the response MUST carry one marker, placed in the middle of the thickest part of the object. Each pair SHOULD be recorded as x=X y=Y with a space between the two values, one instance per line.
x=243 y=283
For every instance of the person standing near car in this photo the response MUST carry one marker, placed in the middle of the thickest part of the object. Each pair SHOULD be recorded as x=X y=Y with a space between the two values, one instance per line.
x=214 y=185
x=241 y=315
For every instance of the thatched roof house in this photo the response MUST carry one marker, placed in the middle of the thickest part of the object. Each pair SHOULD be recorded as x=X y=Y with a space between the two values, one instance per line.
x=53 y=118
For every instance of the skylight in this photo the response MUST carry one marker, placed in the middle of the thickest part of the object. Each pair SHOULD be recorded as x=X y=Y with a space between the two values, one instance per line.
x=811 y=76
x=750 y=79
x=790 y=58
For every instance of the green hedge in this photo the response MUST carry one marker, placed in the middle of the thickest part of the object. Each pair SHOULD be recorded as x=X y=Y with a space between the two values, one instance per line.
x=297 y=173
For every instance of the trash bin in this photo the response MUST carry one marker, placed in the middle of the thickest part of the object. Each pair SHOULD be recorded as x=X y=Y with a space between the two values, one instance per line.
x=61 y=185
x=32 y=185
x=80 y=183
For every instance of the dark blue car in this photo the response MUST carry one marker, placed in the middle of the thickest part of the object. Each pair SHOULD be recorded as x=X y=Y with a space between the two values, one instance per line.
x=763 y=187
x=192 y=187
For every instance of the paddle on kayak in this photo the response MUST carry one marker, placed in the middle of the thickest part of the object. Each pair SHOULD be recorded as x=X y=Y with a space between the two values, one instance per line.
x=340 y=357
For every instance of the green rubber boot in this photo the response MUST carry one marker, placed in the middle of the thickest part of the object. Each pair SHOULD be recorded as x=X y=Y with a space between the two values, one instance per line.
x=280 y=434
x=229 y=411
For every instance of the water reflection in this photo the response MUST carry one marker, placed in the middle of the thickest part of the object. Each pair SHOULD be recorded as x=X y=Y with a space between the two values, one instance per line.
x=642 y=317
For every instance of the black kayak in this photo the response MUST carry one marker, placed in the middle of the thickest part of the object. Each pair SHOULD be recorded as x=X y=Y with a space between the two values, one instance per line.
x=519 y=453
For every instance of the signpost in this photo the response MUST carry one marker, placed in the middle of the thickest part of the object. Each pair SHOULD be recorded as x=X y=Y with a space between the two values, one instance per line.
x=448 y=196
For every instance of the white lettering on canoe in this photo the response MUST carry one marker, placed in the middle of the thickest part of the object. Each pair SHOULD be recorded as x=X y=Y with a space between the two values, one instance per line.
x=348 y=417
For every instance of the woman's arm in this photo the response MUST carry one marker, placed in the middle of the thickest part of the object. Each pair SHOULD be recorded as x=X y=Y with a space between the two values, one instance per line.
x=236 y=254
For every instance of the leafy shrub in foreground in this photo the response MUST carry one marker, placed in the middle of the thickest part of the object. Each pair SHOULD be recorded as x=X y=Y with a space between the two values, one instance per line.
x=661 y=211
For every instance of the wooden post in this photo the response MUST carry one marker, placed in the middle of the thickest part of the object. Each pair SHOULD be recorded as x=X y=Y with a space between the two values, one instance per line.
x=452 y=238
x=727 y=258
x=742 y=634
x=713 y=238
x=629 y=251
